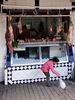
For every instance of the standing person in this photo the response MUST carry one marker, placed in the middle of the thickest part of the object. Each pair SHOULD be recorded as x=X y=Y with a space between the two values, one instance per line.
x=50 y=32
x=49 y=65
x=41 y=29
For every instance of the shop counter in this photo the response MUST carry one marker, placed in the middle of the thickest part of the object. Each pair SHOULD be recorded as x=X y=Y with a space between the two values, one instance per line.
x=23 y=66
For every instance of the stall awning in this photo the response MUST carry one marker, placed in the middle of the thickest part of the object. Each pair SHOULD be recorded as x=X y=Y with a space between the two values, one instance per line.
x=55 y=4
x=30 y=3
x=19 y=4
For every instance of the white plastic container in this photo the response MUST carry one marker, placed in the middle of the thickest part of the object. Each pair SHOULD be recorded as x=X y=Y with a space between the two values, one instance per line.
x=62 y=84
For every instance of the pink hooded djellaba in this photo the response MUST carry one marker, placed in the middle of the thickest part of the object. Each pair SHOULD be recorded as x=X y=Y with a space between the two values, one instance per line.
x=49 y=65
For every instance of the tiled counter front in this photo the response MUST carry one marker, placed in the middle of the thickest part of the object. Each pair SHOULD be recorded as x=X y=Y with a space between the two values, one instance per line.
x=33 y=73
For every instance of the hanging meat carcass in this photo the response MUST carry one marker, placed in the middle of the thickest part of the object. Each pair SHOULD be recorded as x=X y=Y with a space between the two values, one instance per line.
x=9 y=35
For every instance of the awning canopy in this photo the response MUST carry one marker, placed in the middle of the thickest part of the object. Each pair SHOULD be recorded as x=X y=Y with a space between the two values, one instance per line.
x=55 y=4
x=18 y=4
x=30 y=4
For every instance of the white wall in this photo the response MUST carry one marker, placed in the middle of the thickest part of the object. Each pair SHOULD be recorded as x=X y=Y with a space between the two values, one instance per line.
x=2 y=45
x=73 y=21
x=20 y=2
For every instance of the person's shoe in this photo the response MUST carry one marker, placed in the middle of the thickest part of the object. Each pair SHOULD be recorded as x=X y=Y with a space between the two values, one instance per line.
x=48 y=85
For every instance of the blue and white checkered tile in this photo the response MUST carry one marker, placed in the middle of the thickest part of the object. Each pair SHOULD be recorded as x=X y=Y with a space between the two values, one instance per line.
x=13 y=68
x=63 y=64
x=25 y=67
x=38 y=66
x=29 y=67
x=32 y=80
x=9 y=81
x=25 y=81
x=38 y=80
x=66 y=64
x=5 y=66
x=42 y=79
x=19 y=81
x=9 y=76
x=35 y=80
x=69 y=73
x=33 y=67
x=18 y=68
x=10 y=69
x=14 y=82
x=64 y=77
x=51 y=78
x=68 y=76
x=56 y=78
x=70 y=64
x=69 y=68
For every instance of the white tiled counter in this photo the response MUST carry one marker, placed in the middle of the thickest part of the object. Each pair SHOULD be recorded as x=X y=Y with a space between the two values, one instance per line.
x=25 y=68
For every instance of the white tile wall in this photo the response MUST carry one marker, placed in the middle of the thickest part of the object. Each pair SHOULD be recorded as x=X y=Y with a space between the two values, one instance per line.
x=73 y=21
x=2 y=45
x=20 y=2
x=55 y=3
